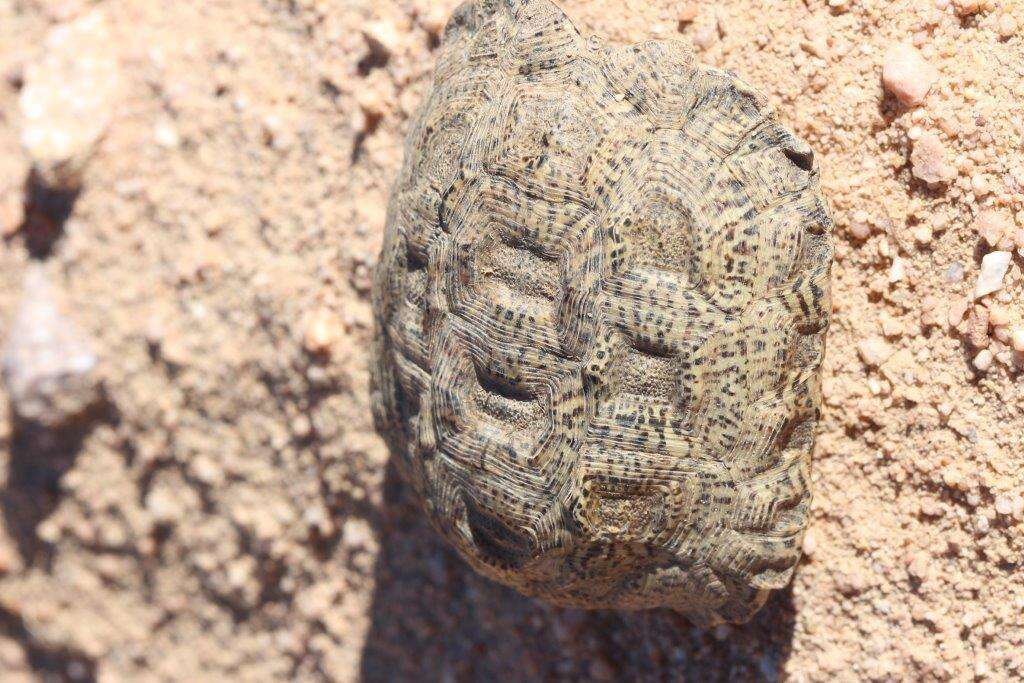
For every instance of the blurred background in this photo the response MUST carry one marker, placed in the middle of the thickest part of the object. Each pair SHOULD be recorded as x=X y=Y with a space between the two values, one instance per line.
x=192 y=195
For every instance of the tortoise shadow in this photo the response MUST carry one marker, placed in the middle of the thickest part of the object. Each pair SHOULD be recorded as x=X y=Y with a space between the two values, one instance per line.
x=434 y=619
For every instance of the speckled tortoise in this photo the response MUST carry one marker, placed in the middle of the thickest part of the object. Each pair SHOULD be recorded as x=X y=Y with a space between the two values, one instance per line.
x=601 y=306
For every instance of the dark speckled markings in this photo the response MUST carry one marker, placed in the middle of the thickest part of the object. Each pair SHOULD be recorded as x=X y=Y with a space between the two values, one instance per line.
x=601 y=306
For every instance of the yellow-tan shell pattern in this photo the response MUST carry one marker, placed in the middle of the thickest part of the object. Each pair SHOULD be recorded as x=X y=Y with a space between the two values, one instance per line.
x=600 y=313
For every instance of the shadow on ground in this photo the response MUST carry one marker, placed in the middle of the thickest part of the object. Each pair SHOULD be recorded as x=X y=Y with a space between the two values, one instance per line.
x=37 y=460
x=434 y=619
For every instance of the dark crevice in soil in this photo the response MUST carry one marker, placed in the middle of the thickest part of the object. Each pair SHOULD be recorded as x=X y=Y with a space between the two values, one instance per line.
x=46 y=211
x=377 y=57
x=39 y=458
x=52 y=663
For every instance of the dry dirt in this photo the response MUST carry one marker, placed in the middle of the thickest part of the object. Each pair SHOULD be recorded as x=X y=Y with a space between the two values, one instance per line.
x=222 y=510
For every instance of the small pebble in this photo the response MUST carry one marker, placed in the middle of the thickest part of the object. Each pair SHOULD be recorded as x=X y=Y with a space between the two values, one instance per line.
x=874 y=351
x=907 y=75
x=1018 y=340
x=1004 y=504
x=993 y=269
x=1007 y=26
x=166 y=136
x=930 y=507
x=917 y=565
x=323 y=328
x=955 y=273
x=979 y=185
x=891 y=327
x=929 y=160
x=69 y=98
x=992 y=226
x=998 y=315
x=810 y=544
x=957 y=310
x=48 y=365
x=706 y=35
x=983 y=361
x=898 y=270
x=923 y=234
x=859 y=226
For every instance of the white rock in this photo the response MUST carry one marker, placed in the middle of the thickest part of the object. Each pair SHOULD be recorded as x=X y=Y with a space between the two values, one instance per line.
x=69 y=98
x=906 y=74
x=166 y=135
x=1004 y=504
x=993 y=269
x=898 y=271
x=48 y=367
x=983 y=361
x=874 y=351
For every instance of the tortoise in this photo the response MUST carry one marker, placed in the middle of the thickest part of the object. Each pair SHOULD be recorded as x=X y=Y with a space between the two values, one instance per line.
x=600 y=314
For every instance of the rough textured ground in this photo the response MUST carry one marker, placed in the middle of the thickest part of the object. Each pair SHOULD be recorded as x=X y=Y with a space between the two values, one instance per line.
x=223 y=509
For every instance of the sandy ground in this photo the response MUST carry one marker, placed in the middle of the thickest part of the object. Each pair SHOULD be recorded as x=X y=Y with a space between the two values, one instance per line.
x=200 y=494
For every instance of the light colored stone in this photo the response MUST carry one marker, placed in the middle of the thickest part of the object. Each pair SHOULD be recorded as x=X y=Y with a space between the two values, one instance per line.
x=706 y=35
x=898 y=270
x=998 y=315
x=957 y=310
x=992 y=226
x=1007 y=26
x=69 y=98
x=48 y=366
x=322 y=329
x=874 y=351
x=993 y=269
x=907 y=75
x=929 y=160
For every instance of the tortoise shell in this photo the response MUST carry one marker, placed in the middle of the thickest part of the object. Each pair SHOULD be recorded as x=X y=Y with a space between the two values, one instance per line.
x=600 y=313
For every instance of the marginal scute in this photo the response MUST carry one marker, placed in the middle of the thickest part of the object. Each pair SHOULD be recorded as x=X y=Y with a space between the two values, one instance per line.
x=600 y=307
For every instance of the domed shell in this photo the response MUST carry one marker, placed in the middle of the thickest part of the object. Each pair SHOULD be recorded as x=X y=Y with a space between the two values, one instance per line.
x=600 y=307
